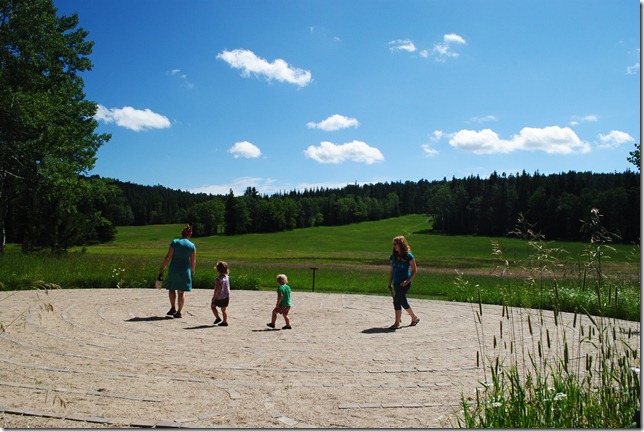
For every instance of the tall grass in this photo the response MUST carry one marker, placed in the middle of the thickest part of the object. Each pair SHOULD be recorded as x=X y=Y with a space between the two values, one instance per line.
x=583 y=372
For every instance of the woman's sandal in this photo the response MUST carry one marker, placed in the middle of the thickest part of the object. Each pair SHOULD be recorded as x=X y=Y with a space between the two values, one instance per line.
x=414 y=322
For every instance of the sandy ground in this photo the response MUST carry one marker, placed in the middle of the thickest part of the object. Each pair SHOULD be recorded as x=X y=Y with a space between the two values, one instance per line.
x=109 y=358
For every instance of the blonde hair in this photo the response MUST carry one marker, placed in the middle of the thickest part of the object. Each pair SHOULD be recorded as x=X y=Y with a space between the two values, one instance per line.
x=282 y=279
x=404 y=246
x=222 y=267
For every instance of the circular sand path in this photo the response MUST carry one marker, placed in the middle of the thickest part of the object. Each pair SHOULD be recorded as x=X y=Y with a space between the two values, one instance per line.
x=109 y=358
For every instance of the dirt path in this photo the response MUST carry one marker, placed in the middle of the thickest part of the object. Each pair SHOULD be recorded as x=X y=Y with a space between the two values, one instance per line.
x=109 y=358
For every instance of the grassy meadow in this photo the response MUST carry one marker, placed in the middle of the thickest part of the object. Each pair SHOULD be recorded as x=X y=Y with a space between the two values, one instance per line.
x=354 y=259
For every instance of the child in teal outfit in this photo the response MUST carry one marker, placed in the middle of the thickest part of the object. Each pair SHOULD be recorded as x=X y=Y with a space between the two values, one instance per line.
x=283 y=305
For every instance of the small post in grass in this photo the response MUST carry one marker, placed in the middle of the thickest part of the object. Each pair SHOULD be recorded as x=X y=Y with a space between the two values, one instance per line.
x=314 y=269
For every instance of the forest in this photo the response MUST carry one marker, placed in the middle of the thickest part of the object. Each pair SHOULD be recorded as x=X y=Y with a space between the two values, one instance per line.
x=554 y=204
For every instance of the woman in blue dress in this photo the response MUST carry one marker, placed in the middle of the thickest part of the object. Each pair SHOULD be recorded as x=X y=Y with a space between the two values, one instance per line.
x=182 y=256
x=403 y=270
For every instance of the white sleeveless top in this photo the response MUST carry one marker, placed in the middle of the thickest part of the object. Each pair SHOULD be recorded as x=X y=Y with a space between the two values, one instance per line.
x=225 y=287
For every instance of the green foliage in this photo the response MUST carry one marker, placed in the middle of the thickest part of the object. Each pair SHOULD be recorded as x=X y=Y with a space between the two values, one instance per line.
x=46 y=126
x=634 y=157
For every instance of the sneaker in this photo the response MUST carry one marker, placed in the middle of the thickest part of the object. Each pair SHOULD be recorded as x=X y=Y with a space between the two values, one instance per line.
x=217 y=321
x=224 y=324
x=171 y=312
x=178 y=315
x=271 y=325
x=286 y=328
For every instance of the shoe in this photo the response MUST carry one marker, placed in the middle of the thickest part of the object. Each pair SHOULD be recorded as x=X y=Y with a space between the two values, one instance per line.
x=178 y=315
x=271 y=325
x=217 y=321
x=171 y=312
x=286 y=328
x=223 y=324
x=414 y=322
x=394 y=326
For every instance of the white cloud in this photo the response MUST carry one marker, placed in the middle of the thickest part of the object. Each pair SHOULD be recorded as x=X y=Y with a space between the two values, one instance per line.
x=584 y=119
x=239 y=186
x=402 y=45
x=437 y=135
x=429 y=151
x=245 y=149
x=335 y=122
x=634 y=68
x=269 y=186
x=484 y=119
x=356 y=151
x=131 y=118
x=279 y=70
x=185 y=82
x=551 y=139
x=445 y=50
x=614 y=139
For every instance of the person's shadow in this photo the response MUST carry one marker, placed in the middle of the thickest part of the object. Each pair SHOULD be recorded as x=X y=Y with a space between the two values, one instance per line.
x=375 y=330
x=203 y=326
x=147 y=319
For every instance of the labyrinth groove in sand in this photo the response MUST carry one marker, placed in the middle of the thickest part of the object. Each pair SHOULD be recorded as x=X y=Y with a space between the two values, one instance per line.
x=114 y=358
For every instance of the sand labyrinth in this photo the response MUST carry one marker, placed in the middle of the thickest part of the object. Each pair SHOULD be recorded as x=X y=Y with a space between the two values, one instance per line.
x=110 y=358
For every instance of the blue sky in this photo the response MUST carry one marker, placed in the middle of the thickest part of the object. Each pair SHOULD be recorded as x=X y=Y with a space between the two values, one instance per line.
x=213 y=95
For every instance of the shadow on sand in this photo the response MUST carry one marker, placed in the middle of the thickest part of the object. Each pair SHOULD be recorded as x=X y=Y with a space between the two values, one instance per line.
x=374 y=330
x=146 y=319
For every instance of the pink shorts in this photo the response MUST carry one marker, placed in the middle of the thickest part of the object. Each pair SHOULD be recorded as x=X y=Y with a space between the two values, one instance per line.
x=282 y=310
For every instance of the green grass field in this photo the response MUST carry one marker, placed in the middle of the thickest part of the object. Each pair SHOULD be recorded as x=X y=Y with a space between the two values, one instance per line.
x=351 y=259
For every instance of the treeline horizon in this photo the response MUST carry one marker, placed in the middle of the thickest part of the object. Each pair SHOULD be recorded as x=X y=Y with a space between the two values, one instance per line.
x=556 y=204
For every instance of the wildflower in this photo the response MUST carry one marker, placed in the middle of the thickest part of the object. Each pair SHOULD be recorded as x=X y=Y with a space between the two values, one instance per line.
x=560 y=396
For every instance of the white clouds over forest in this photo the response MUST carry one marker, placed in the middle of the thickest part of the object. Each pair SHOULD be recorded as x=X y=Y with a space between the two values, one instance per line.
x=355 y=151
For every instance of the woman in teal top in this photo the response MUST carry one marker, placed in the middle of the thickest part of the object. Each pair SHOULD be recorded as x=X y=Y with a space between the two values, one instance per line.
x=403 y=270
x=182 y=256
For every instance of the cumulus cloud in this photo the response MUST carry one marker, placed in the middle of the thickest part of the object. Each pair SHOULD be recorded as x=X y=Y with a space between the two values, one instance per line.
x=131 y=118
x=356 y=151
x=245 y=149
x=446 y=48
x=335 y=122
x=614 y=139
x=278 y=70
x=551 y=139
x=402 y=45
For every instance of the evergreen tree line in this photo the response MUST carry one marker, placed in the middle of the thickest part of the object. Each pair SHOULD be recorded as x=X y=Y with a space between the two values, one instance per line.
x=555 y=203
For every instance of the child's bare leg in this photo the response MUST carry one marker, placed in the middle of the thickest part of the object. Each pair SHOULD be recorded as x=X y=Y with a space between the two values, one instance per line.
x=214 y=310
x=225 y=315
x=286 y=319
